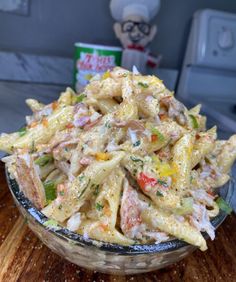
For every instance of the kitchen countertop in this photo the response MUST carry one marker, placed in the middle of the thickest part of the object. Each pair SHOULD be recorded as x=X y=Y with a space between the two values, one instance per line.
x=24 y=258
x=12 y=102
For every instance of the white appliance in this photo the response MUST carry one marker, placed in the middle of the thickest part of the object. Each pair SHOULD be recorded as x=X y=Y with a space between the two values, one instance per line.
x=208 y=74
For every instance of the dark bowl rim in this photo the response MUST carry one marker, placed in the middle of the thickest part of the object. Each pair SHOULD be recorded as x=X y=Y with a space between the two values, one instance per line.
x=77 y=239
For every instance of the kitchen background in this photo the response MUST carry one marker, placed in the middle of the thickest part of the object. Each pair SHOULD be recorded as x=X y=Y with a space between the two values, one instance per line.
x=52 y=27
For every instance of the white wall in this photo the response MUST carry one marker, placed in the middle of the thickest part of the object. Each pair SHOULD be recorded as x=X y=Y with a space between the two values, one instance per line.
x=54 y=25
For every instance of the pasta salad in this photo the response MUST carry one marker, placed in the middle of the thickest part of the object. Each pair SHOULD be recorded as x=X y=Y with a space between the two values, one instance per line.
x=123 y=162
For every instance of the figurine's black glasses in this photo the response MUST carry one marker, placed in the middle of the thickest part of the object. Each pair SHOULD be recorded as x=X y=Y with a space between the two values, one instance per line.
x=143 y=27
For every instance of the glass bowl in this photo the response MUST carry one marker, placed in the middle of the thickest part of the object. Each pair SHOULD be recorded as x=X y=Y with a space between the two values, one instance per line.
x=107 y=257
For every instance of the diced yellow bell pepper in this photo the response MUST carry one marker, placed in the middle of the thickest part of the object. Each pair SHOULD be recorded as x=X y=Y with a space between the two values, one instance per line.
x=102 y=156
x=164 y=169
x=106 y=74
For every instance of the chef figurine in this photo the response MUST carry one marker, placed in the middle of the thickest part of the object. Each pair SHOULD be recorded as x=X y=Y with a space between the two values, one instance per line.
x=134 y=31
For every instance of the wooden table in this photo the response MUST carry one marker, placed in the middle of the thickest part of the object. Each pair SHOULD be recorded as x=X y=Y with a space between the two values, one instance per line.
x=24 y=258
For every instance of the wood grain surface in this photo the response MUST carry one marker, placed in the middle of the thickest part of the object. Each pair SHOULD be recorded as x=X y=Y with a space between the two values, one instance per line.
x=24 y=258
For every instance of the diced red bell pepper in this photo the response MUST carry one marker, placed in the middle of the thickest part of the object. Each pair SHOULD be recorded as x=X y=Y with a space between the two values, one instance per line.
x=144 y=181
x=154 y=138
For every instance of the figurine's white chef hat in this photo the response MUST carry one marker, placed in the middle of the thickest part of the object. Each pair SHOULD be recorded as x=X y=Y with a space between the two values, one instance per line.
x=122 y=9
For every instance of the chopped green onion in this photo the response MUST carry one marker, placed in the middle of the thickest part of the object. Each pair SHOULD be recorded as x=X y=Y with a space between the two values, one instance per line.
x=223 y=205
x=159 y=134
x=44 y=160
x=99 y=207
x=80 y=98
x=187 y=206
x=22 y=131
x=194 y=122
x=50 y=190
x=137 y=143
x=51 y=223
x=142 y=84
x=159 y=194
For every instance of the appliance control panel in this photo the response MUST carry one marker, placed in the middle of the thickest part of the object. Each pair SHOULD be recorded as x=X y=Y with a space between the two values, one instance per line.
x=215 y=37
x=226 y=38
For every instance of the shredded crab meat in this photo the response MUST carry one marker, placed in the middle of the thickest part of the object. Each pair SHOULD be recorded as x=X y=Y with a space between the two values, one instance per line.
x=200 y=220
x=112 y=146
x=175 y=109
x=86 y=160
x=74 y=222
x=38 y=115
x=202 y=196
x=157 y=236
x=131 y=221
x=29 y=179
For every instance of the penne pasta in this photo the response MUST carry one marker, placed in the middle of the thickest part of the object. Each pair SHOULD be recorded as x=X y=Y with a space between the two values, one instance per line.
x=182 y=157
x=122 y=162
x=81 y=188
x=168 y=223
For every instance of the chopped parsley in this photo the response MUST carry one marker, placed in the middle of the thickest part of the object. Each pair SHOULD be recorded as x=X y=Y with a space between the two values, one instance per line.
x=159 y=194
x=137 y=143
x=223 y=205
x=107 y=124
x=32 y=149
x=44 y=160
x=96 y=190
x=136 y=160
x=99 y=207
x=161 y=182
x=61 y=193
x=81 y=178
x=85 y=188
x=22 y=131
x=80 y=98
x=143 y=84
x=194 y=122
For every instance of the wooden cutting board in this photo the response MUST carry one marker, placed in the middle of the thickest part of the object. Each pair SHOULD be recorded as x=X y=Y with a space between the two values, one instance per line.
x=24 y=258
